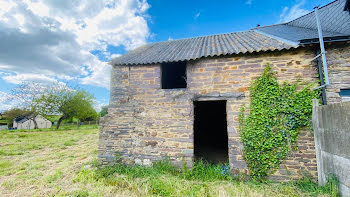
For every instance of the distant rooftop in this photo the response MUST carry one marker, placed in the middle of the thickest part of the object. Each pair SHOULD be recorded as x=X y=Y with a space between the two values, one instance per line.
x=334 y=18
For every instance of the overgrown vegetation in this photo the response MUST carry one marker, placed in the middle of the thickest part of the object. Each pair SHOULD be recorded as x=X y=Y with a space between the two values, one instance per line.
x=308 y=186
x=276 y=115
x=163 y=179
x=63 y=163
x=200 y=171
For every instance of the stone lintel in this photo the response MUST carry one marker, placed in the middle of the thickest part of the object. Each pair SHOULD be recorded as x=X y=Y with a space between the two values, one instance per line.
x=219 y=96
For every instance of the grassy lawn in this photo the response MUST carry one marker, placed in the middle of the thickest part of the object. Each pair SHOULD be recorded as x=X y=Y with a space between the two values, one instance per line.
x=63 y=163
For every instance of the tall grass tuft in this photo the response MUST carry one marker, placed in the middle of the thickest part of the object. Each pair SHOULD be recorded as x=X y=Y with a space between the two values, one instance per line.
x=207 y=172
x=308 y=186
x=203 y=179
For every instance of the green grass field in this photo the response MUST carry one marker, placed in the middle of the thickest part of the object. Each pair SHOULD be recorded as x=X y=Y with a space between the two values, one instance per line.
x=63 y=163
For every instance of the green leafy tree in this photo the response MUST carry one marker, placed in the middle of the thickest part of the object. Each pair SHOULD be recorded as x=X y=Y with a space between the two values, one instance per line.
x=88 y=115
x=65 y=102
x=11 y=114
x=276 y=115
x=23 y=96
x=103 y=112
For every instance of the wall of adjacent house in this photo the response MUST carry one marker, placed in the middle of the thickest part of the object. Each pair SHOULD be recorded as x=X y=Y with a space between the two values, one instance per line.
x=42 y=122
x=338 y=60
x=146 y=123
x=332 y=135
x=29 y=124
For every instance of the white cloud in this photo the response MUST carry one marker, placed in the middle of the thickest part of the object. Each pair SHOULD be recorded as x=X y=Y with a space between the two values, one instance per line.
x=100 y=75
x=197 y=15
x=294 y=12
x=19 y=78
x=99 y=104
x=114 y=56
x=51 y=40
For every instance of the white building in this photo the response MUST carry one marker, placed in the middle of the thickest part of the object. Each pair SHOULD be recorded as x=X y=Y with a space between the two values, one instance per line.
x=27 y=122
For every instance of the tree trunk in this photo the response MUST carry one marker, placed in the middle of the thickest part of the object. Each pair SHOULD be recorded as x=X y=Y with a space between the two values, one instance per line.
x=35 y=123
x=59 y=121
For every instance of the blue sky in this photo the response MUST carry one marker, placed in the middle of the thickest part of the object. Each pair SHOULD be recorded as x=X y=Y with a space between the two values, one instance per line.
x=70 y=41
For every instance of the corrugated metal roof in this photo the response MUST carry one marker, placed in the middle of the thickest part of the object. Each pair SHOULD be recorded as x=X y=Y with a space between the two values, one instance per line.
x=334 y=21
x=294 y=33
x=332 y=16
x=206 y=46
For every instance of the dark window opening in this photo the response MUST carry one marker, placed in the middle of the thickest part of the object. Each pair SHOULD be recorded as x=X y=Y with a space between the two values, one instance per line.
x=210 y=131
x=344 y=94
x=174 y=75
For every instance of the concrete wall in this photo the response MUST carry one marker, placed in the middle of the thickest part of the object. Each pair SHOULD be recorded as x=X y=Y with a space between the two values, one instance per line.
x=146 y=123
x=332 y=139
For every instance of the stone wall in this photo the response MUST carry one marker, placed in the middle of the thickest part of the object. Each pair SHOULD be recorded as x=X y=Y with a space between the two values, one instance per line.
x=338 y=60
x=300 y=162
x=146 y=123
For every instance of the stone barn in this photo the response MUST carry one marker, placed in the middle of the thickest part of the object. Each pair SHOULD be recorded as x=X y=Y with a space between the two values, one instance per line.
x=180 y=99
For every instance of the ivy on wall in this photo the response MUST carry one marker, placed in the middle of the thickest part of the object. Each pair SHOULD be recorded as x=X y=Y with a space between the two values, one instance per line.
x=276 y=114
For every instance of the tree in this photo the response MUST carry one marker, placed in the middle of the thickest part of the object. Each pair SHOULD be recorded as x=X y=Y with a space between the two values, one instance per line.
x=89 y=114
x=11 y=114
x=103 y=112
x=25 y=93
x=66 y=102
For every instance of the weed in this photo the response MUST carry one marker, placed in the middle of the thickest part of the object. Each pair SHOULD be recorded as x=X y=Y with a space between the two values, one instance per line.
x=308 y=186
x=57 y=175
x=4 y=166
x=79 y=193
x=74 y=171
x=70 y=142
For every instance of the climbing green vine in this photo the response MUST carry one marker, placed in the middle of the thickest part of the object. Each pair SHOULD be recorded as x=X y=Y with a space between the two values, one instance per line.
x=276 y=114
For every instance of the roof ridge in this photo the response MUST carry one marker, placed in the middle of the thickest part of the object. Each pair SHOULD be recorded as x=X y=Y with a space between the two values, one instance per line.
x=219 y=34
x=268 y=26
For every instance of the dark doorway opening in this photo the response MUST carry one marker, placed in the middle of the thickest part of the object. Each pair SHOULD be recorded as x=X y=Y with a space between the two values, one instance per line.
x=210 y=131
